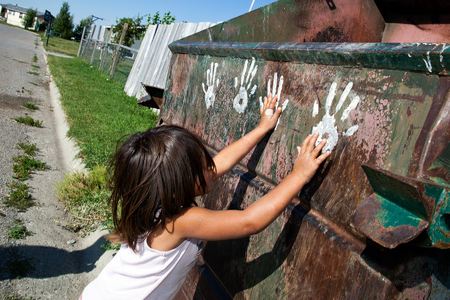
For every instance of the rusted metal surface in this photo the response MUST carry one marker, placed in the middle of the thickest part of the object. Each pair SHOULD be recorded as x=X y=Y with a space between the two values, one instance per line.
x=385 y=109
x=415 y=21
x=302 y=21
x=401 y=209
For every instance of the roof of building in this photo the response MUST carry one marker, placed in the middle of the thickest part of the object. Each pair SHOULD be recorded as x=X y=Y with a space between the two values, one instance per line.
x=18 y=8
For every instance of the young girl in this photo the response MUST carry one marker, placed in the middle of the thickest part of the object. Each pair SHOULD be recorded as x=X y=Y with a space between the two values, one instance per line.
x=157 y=175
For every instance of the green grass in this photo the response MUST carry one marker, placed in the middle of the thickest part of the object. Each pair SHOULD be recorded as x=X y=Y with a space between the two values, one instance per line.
x=19 y=196
x=24 y=165
x=110 y=246
x=30 y=105
x=27 y=120
x=56 y=44
x=99 y=115
x=33 y=73
x=123 y=70
x=98 y=111
x=18 y=230
x=29 y=149
x=86 y=197
x=35 y=58
x=35 y=67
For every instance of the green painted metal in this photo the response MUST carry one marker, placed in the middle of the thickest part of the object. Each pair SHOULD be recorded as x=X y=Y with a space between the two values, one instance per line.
x=386 y=184
x=422 y=57
x=401 y=208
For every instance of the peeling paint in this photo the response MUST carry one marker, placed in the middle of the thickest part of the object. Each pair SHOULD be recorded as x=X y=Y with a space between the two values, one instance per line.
x=441 y=56
x=428 y=63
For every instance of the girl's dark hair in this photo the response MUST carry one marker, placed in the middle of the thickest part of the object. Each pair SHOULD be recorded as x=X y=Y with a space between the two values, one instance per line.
x=155 y=176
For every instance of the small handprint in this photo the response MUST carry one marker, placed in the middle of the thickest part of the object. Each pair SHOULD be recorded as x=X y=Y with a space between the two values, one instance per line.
x=240 y=101
x=327 y=128
x=277 y=87
x=211 y=83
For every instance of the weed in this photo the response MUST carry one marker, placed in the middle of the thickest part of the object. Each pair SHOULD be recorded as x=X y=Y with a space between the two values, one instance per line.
x=110 y=246
x=24 y=165
x=18 y=230
x=19 y=267
x=35 y=67
x=29 y=149
x=33 y=73
x=33 y=83
x=30 y=105
x=35 y=58
x=19 y=196
x=27 y=120
x=86 y=196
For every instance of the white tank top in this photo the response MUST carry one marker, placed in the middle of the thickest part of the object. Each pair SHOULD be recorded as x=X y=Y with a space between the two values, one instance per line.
x=144 y=274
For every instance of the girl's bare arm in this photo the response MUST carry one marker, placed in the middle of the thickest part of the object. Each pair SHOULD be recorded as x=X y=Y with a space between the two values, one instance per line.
x=207 y=224
x=232 y=154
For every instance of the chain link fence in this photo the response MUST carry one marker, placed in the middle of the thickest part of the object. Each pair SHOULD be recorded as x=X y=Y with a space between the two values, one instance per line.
x=113 y=59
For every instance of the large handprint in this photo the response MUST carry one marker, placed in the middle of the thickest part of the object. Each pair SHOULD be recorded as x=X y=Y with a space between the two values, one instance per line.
x=240 y=101
x=327 y=128
x=211 y=83
x=274 y=89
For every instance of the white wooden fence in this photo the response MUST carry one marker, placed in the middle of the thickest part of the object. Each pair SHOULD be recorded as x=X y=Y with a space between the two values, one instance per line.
x=152 y=62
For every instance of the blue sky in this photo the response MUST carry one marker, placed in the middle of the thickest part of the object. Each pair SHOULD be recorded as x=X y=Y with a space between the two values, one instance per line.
x=183 y=10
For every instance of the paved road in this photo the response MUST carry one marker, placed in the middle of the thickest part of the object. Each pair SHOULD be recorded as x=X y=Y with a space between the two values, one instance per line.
x=54 y=268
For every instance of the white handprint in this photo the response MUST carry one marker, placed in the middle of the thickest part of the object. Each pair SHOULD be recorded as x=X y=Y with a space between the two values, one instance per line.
x=277 y=87
x=240 y=101
x=211 y=83
x=326 y=128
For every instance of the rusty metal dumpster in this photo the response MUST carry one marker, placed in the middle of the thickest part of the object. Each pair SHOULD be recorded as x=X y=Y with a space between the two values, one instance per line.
x=371 y=77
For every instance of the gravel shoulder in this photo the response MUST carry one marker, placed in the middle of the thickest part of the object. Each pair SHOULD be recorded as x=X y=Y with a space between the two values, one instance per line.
x=57 y=262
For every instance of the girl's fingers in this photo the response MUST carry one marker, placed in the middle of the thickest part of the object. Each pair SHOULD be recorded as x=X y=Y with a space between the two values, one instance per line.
x=305 y=143
x=273 y=102
x=277 y=113
x=265 y=102
x=323 y=156
x=312 y=142
x=319 y=148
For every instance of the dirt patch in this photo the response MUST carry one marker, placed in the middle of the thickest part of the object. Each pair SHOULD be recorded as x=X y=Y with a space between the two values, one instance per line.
x=13 y=102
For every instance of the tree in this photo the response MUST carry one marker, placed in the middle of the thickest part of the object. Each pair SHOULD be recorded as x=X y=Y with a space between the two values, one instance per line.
x=28 y=20
x=135 y=30
x=63 y=23
x=156 y=18
x=86 y=22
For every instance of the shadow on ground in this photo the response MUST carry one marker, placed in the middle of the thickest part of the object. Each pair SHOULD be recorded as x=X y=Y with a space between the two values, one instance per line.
x=44 y=262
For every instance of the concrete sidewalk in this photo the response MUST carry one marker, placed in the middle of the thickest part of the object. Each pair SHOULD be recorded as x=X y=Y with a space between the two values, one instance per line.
x=58 y=262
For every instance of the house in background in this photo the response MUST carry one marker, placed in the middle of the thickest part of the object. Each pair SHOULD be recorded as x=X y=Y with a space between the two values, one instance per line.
x=14 y=14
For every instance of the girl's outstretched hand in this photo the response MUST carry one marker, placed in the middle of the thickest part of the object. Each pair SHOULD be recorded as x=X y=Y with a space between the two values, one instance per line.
x=269 y=115
x=308 y=159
